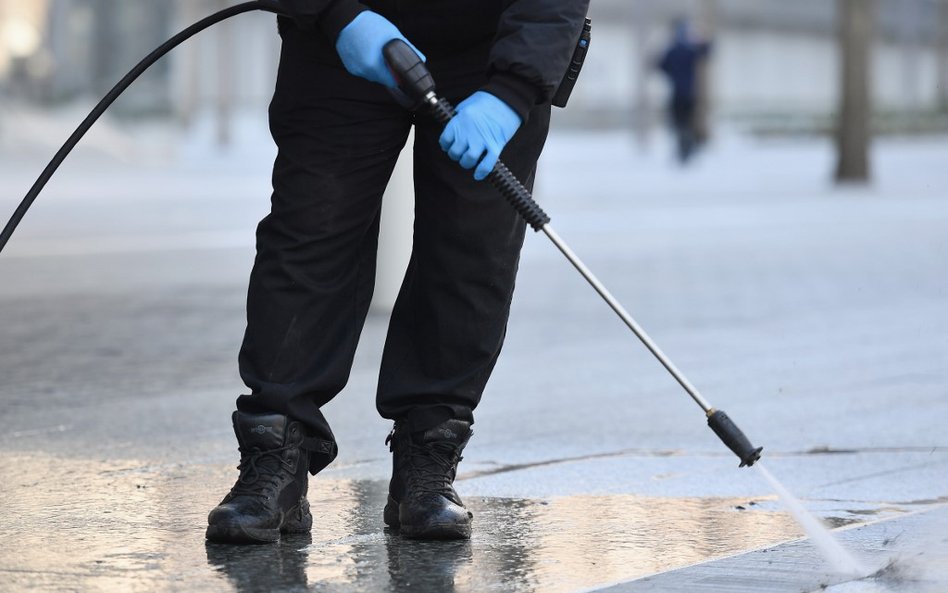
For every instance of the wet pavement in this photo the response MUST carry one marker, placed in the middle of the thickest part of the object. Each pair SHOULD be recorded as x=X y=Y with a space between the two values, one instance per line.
x=130 y=526
x=127 y=526
x=814 y=316
x=908 y=553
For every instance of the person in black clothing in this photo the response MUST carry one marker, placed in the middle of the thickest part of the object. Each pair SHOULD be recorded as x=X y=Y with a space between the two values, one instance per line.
x=680 y=64
x=338 y=133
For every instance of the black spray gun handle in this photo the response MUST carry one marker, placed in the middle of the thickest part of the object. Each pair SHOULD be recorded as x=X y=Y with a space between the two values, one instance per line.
x=415 y=81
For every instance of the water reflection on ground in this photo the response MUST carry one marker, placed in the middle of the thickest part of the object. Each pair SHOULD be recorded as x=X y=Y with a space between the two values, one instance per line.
x=114 y=526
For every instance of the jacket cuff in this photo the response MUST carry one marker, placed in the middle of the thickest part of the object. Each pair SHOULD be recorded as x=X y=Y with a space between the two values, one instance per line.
x=337 y=15
x=514 y=91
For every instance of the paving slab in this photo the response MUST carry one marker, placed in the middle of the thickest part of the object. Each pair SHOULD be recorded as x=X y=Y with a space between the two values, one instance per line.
x=814 y=315
x=906 y=554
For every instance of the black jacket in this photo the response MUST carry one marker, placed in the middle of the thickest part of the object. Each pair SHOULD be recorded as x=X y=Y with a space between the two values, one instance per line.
x=532 y=46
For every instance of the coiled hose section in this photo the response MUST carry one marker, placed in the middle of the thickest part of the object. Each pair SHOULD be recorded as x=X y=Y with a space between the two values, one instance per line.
x=264 y=5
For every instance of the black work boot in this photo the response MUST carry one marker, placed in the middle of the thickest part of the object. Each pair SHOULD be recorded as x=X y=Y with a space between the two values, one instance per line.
x=422 y=502
x=269 y=497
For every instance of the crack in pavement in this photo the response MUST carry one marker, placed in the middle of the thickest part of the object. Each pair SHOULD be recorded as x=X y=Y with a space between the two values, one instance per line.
x=505 y=468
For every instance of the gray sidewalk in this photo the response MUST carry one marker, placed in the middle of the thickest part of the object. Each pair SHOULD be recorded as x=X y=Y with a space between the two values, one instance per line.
x=816 y=317
x=910 y=552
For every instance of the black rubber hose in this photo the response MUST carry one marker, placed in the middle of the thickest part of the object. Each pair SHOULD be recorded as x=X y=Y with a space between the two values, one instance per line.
x=264 y=5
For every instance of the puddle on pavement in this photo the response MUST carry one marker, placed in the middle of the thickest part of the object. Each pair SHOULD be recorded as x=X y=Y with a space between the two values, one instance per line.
x=123 y=526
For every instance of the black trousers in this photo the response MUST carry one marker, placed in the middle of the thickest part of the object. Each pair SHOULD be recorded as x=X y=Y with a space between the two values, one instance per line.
x=683 y=111
x=338 y=138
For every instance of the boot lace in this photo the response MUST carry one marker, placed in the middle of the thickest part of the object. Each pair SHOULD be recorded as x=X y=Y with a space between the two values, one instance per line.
x=432 y=468
x=259 y=476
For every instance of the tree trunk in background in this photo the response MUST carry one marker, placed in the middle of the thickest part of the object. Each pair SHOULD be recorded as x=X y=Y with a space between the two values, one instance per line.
x=104 y=45
x=943 y=55
x=187 y=63
x=707 y=28
x=642 y=21
x=854 y=133
x=913 y=50
x=225 y=79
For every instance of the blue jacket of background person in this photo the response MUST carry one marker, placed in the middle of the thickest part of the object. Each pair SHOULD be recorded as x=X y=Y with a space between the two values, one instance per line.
x=680 y=61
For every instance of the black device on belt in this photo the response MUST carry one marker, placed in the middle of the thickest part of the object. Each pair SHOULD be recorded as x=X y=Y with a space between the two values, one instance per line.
x=575 y=66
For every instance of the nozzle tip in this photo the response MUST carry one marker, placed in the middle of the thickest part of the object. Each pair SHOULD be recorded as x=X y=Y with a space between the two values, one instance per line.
x=751 y=458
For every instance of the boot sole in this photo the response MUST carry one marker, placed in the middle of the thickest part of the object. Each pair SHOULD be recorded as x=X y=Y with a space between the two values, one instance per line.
x=436 y=531
x=433 y=531
x=299 y=520
x=390 y=514
x=237 y=534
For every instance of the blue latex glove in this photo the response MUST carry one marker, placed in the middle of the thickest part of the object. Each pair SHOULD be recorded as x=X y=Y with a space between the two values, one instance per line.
x=360 y=47
x=478 y=133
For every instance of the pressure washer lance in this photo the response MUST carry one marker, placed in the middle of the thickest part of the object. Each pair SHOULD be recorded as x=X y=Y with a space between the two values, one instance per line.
x=415 y=81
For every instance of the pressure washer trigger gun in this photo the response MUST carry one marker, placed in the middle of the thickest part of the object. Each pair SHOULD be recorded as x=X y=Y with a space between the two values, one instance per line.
x=402 y=99
x=414 y=80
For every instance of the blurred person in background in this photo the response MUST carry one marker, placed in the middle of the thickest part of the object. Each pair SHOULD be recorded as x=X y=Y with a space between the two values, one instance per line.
x=339 y=133
x=680 y=63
